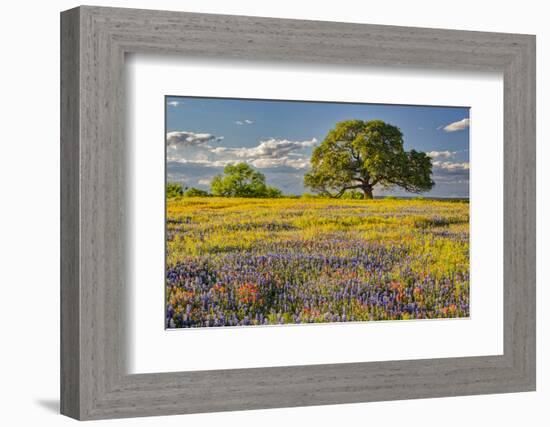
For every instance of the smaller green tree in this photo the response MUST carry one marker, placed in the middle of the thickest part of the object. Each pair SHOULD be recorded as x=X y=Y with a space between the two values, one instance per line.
x=196 y=192
x=173 y=189
x=242 y=180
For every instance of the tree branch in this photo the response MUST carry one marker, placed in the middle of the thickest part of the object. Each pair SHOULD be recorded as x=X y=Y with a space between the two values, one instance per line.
x=344 y=189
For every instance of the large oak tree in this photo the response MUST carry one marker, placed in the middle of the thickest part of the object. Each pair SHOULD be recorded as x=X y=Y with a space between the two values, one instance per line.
x=358 y=155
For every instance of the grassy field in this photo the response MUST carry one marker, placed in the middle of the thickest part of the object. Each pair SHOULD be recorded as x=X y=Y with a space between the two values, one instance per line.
x=237 y=261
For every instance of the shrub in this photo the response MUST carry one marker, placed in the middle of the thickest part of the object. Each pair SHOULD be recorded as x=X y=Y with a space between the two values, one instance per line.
x=173 y=189
x=196 y=192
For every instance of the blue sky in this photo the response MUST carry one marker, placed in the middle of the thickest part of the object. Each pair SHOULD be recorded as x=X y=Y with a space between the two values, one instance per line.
x=277 y=138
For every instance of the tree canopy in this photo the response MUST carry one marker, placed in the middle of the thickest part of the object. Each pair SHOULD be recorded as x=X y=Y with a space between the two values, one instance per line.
x=241 y=180
x=357 y=155
x=173 y=189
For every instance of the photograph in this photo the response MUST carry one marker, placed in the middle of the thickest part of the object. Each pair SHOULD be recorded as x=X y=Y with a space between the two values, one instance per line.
x=298 y=212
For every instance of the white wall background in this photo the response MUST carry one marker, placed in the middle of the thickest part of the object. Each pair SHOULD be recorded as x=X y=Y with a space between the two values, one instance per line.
x=29 y=213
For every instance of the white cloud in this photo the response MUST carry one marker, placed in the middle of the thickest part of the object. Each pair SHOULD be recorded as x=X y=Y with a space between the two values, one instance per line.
x=204 y=181
x=201 y=162
x=296 y=163
x=268 y=149
x=451 y=173
x=174 y=103
x=221 y=150
x=244 y=122
x=190 y=138
x=450 y=166
x=187 y=147
x=441 y=154
x=456 y=126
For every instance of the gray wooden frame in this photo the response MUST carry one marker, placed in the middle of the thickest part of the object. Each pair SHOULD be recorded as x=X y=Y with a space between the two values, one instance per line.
x=94 y=41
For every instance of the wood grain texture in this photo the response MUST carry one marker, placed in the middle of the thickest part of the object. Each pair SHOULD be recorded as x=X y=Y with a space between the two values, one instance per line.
x=70 y=258
x=94 y=231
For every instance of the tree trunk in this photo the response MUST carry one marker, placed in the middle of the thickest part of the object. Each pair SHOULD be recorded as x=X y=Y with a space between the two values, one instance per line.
x=367 y=192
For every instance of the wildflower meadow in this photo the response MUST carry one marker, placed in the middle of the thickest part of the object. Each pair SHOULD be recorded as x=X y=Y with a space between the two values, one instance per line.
x=234 y=261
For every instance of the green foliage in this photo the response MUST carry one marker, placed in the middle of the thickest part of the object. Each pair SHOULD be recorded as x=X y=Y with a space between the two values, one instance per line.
x=241 y=180
x=196 y=192
x=272 y=192
x=353 y=195
x=357 y=155
x=173 y=189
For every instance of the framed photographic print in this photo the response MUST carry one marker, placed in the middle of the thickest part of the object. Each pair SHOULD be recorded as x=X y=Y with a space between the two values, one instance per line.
x=292 y=213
